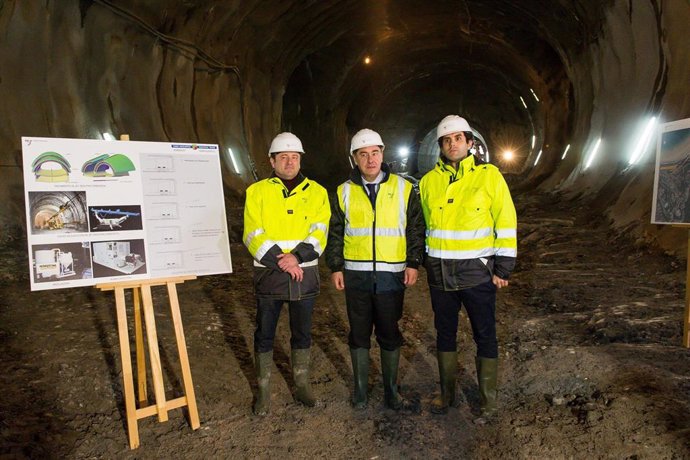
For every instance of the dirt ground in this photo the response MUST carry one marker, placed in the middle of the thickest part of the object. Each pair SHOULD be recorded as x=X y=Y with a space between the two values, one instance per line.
x=590 y=364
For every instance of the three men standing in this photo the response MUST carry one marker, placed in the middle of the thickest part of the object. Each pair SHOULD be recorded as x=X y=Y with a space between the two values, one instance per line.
x=285 y=227
x=375 y=244
x=471 y=250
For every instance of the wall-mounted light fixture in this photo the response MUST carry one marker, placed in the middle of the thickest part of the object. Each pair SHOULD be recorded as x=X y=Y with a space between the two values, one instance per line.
x=643 y=141
x=593 y=153
x=565 y=152
x=234 y=162
x=538 y=157
x=108 y=137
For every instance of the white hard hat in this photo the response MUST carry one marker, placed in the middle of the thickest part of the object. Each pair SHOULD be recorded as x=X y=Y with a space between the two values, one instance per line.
x=365 y=138
x=452 y=124
x=285 y=142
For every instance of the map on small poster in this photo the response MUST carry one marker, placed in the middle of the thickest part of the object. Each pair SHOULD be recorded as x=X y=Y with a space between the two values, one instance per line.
x=671 y=203
x=105 y=211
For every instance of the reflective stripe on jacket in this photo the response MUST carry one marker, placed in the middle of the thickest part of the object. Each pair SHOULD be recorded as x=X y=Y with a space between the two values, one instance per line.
x=276 y=222
x=469 y=216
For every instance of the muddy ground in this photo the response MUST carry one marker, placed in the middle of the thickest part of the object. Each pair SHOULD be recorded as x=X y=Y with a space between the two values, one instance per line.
x=591 y=364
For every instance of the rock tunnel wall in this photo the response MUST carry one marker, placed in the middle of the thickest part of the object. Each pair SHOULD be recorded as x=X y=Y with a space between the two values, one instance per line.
x=235 y=73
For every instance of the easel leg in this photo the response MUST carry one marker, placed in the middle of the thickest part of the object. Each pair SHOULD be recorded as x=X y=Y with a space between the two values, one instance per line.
x=152 y=338
x=130 y=406
x=139 y=339
x=184 y=359
x=686 y=322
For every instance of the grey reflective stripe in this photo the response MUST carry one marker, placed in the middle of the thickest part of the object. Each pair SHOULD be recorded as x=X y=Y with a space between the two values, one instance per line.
x=322 y=227
x=402 y=216
x=316 y=243
x=251 y=235
x=263 y=249
x=461 y=234
x=346 y=200
x=366 y=231
x=311 y=263
x=507 y=252
x=473 y=254
x=369 y=266
x=506 y=233
x=288 y=244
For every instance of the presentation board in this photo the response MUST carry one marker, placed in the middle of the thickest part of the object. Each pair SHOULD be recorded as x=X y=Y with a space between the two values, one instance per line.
x=671 y=202
x=105 y=211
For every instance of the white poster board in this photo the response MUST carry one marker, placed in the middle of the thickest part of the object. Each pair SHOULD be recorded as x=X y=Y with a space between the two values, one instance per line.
x=671 y=202
x=104 y=211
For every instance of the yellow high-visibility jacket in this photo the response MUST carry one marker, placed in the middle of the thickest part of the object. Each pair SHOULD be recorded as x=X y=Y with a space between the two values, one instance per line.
x=471 y=224
x=276 y=222
x=373 y=246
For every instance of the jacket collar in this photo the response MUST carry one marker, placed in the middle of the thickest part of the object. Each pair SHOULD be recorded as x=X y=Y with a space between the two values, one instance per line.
x=466 y=165
x=356 y=174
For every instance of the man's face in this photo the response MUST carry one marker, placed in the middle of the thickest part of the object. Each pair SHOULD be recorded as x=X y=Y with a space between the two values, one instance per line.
x=455 y=146
x=286 y=164
x=369 y=161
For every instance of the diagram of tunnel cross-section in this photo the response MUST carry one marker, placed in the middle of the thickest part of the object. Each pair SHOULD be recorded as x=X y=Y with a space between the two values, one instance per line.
x=107 y=211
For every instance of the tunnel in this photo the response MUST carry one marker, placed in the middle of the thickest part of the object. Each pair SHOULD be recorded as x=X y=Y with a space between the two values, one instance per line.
x=559 y=95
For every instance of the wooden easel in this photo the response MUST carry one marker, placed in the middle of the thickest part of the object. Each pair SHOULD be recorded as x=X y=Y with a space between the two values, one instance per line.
x=142 y=291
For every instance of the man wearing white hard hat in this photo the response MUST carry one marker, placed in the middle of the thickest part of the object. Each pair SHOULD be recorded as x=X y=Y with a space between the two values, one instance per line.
x=471 y=248
x=375 y=244
x=285 y=227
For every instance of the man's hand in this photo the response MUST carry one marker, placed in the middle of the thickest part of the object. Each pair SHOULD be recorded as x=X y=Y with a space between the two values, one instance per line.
x=338 y=280
x=500 y=282
x=296 y=273
x=411 y=275
x=287 y=261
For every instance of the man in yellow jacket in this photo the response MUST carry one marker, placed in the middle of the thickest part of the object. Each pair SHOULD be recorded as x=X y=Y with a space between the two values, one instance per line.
x=471 y=247
x=285 y=227
x=375 y=245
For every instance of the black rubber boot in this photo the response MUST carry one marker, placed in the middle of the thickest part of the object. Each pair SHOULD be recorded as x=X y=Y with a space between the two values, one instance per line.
x=448 y=370
x=389 y=369
x=300 y=372
x=360 y=370
x=487 y=376
x=262 y=365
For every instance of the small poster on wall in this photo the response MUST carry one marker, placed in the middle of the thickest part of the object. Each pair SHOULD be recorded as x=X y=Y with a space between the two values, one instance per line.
x=671 y=203
x=104 y=211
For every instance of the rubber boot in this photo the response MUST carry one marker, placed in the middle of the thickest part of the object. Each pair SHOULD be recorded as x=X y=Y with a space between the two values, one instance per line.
x=262 y=365
x=360 y=370
x=389 y=369
x=487 y=376
x=448 y=370
x=300 y=372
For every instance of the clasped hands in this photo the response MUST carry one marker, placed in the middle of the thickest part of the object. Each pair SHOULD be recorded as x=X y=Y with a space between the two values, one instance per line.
x=290 y=265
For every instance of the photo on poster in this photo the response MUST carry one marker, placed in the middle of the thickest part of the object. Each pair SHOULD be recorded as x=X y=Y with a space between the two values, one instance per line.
x=58 y=212
x=114 y=218
x=118 y=258
x=61 y=261
x=672 y=180
x=51 y=167
x=106 y=165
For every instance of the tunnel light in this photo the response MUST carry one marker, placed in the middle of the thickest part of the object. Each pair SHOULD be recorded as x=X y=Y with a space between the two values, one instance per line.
x=108 y=137
x=534 y=141
x=538 y=157
x=643 y=142
x=534 y=94
x=523 y=102
x=404 y=151
x=367 y=60
x=508 y=155
x=565 y=152
x=593 y=154
x=234 y=162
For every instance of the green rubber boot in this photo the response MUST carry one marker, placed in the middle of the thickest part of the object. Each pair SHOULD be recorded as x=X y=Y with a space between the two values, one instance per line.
x=262 y=365
x=300 y=372
x=360 y=370
x=487 y=376
x=389 y=369
x=448 y=370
